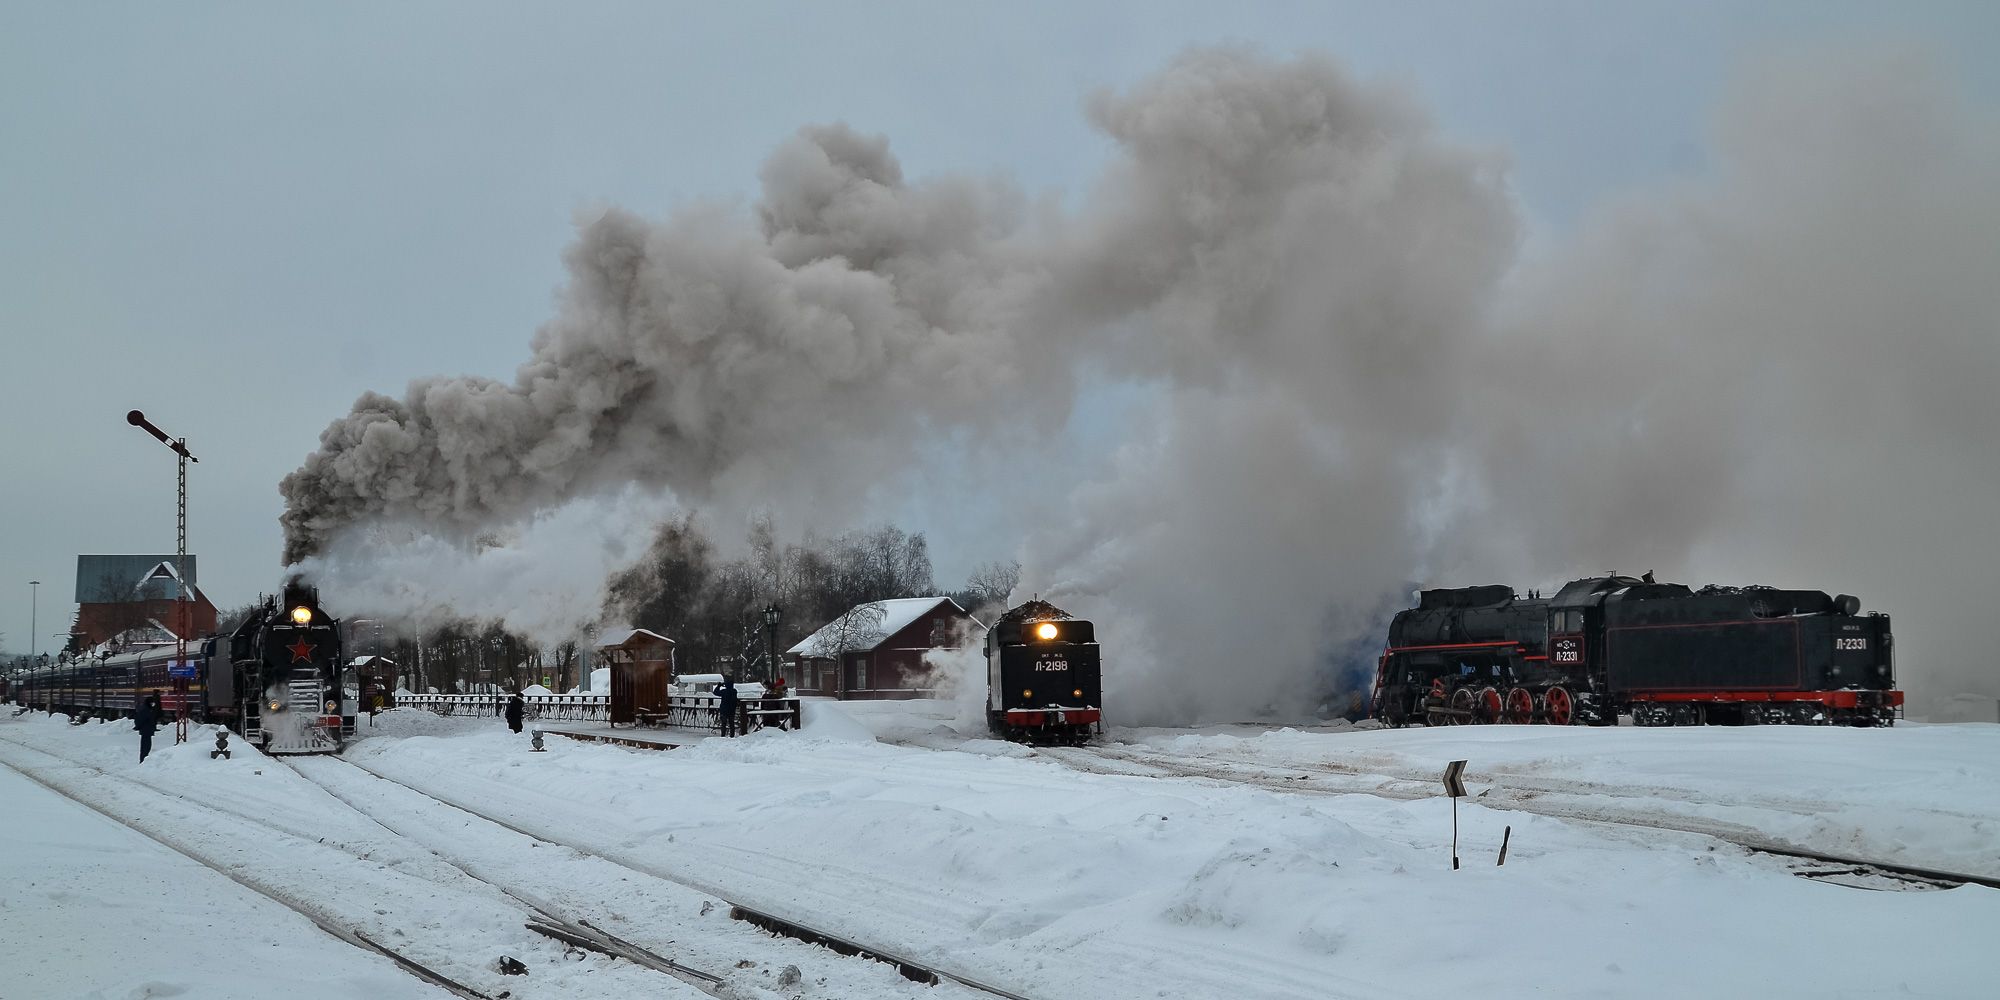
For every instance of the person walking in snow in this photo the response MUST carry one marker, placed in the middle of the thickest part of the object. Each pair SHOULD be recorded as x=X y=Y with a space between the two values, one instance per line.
x=146 y=720
x=726 y=691
x=515 y=706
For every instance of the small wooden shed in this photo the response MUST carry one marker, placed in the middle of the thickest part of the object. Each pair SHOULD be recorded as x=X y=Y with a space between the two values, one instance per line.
x=376 y=677
x=642 y=665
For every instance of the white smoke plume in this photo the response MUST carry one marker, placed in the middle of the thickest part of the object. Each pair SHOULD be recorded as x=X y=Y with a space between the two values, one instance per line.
x=545 y=577
x=1777 y=372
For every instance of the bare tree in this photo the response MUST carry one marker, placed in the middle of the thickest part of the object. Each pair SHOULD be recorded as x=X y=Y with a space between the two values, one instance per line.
x=991 y=583
x=859 y=627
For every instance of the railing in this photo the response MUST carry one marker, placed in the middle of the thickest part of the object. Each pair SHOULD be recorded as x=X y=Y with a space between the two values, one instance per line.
x=684 y=711
x=704 y=712
x=553 y=707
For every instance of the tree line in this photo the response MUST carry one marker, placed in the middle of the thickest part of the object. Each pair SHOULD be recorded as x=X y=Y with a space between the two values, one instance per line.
x=711 y=606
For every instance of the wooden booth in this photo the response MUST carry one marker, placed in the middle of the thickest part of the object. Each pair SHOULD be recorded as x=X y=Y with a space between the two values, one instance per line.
x=642 y=665
x=376 y=678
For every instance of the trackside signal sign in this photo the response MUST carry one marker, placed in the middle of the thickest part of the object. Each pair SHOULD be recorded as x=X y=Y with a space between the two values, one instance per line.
x=1454 y=781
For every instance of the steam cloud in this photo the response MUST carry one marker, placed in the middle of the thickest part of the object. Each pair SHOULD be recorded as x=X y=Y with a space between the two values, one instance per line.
x=1781 y=371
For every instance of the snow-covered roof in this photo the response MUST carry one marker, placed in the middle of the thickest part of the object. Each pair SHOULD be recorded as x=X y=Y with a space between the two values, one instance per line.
x=619 y=637
x=866 y=634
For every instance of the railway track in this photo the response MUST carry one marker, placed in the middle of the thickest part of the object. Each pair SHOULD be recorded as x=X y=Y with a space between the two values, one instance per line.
x=549 y=920
x=327 y=923
x=533 y=915
x=838 y=941
x=1541 y=796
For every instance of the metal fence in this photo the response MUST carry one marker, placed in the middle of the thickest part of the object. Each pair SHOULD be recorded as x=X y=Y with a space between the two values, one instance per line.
x=551 y=707
x=701 y=712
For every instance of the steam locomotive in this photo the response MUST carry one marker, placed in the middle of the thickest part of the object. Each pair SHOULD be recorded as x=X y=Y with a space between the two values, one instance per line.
x=1612 y=645
x=1043 y=681
x=276 y=679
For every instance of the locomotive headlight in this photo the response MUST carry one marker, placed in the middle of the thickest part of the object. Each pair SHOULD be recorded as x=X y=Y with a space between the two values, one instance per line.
x=1078 y=692
x=274 y=705
x=1046 y=630
x=1027 y=692
x=302 y=614
x=331 y=705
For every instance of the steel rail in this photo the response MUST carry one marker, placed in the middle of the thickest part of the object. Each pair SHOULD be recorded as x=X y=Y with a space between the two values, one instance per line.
x=349 y=936
x=1260 y=775
x=910 y=968
x=580 y=931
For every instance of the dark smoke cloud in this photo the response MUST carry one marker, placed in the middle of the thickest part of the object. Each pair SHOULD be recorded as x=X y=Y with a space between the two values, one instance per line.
x=1779 y=372
x=707 y=356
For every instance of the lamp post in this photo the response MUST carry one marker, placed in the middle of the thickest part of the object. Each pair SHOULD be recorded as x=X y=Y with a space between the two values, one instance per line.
x=771 y=639
x=34 y=605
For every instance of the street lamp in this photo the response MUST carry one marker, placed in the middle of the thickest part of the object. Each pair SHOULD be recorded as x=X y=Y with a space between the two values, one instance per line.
x=771 y=638
x=34 y=605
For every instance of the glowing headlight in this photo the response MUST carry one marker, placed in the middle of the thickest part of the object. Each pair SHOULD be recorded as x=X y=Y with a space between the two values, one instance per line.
x=274 y=706
x=331 y=706
x=1046 y=630
x=302 y=614
x=1078 y=692
x=1027 y=692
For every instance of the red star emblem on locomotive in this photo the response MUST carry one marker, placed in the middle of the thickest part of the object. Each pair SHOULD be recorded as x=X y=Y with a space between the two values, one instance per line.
x=300 y=650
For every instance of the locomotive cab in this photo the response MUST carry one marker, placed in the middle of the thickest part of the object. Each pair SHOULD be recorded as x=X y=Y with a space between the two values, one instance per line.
x=1044 y=680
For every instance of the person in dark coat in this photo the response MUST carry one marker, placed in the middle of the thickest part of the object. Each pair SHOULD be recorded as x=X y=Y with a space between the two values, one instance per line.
x=146 y=720
x=727 y=708
x=515 y=706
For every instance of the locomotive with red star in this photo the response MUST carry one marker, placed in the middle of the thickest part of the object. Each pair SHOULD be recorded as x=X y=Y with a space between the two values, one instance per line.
x=276 y=679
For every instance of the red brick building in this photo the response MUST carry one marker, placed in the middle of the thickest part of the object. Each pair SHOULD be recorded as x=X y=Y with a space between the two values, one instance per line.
x=116 y=594
x=876 y=650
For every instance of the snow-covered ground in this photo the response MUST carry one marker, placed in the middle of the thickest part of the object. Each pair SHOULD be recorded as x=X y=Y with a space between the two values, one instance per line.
x=1050 y=874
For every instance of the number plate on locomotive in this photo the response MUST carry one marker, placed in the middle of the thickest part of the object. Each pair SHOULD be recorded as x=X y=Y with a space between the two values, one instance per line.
x=1850 y=643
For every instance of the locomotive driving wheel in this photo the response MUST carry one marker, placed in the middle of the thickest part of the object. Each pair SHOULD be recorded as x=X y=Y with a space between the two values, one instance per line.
x=1558 y=707
x=1431 y=704
x=1461 y=706
x=1489 y=706
x=1520 y=707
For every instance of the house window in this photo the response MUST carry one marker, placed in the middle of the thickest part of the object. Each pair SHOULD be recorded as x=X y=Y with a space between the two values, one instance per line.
x=861 y=672
x=940 y=633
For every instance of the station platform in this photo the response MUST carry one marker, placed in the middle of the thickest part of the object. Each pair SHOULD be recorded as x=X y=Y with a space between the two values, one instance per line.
x=644 y=738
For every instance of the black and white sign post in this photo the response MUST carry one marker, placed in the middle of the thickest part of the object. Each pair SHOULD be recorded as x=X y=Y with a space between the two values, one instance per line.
x=1454 y=786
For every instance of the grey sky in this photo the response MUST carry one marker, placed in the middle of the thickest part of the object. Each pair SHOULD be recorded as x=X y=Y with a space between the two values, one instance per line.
x=238 y=217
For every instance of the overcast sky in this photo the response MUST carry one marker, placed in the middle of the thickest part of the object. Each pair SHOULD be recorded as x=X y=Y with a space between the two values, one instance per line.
x=239 y=217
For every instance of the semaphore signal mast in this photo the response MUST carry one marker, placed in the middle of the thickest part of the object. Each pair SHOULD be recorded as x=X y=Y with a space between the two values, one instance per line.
x=183 y=611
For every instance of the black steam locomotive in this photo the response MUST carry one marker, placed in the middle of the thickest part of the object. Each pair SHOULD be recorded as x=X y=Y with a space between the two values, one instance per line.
x=1663 y=653
x=276 y=679
x=1043 y=681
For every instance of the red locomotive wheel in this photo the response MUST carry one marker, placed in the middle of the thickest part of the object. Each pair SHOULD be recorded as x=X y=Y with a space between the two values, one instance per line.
x=1489 y=705
x=1461 y=704
x=1520 y=707
x=1556 y=705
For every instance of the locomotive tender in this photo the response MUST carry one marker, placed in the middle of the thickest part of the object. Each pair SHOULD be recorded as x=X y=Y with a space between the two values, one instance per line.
x=1665 y=654
x=276 y=679
x=1043 y=680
